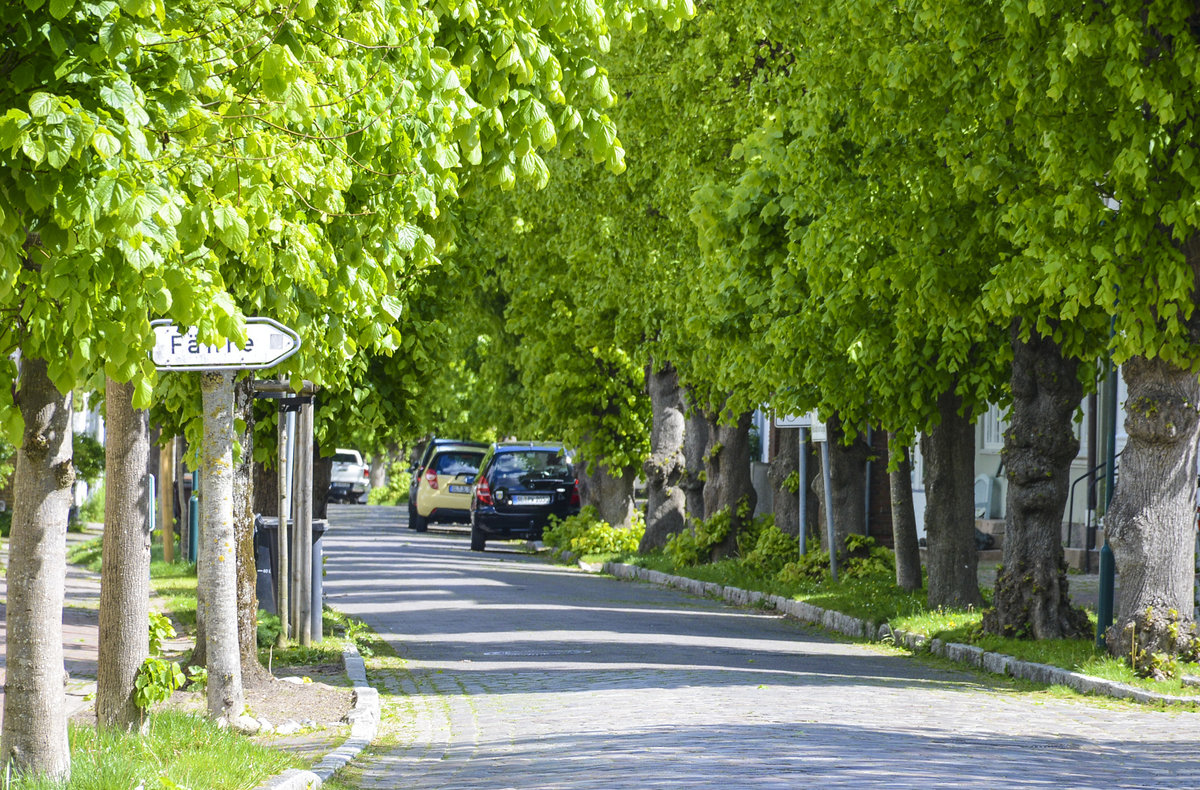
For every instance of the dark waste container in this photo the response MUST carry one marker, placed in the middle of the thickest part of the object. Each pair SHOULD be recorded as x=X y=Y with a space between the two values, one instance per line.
x=266 y=565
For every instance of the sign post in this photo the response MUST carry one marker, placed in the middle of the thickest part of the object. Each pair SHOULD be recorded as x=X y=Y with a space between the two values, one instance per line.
x=802 y=422
x=175 y=349
x=820 y=434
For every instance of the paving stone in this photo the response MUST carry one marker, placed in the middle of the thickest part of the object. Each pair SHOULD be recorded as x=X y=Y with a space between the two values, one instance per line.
x=524 y=675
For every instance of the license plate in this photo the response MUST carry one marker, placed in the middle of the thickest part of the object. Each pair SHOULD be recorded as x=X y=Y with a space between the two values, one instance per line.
x=460 y=489
x=531 y=499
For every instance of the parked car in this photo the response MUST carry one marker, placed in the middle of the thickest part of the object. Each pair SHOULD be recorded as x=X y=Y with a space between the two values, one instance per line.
x=519 y=487
x=440 y=491
x=349 y=478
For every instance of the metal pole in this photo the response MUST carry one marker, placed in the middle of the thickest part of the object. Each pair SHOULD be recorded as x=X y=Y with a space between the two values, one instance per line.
x=194 y=519
x=867 y=487
x=829 y=509
x=281 y=534
x=1108 y=566
x=803 y=472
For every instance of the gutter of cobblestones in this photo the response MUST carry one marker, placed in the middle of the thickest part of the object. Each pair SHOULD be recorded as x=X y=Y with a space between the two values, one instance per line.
x=364 y=724
x=869 y=630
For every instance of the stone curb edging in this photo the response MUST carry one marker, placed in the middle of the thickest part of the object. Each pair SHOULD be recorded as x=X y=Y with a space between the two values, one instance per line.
x=847 y=625
x=364 y=723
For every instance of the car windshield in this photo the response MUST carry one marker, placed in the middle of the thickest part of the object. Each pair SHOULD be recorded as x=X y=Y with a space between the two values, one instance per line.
x=513 y=466
x=458 y=463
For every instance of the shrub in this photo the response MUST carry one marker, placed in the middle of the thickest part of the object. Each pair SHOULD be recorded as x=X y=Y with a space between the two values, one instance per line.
x=694 y=545
x=395 y=491
x=586 y=533
x=93 y=508
x=772 y=550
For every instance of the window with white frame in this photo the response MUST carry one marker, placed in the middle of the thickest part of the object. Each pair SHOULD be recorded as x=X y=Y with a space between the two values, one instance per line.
x=992 y=426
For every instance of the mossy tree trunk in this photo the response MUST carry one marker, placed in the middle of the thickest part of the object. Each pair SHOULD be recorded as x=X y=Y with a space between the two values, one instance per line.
x=1031 y=598
x=904 y=520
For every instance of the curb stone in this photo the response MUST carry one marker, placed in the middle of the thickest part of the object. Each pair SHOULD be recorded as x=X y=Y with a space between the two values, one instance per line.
x=996 y=663
x=364 y=723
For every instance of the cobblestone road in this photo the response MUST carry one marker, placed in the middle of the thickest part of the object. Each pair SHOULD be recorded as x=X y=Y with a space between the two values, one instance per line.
x=526 y=675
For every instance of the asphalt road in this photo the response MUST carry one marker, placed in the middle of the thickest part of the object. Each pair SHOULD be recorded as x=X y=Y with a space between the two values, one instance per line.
x=521 y=674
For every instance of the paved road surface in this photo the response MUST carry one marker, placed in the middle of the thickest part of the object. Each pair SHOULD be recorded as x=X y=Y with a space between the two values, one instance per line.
x=526 y=675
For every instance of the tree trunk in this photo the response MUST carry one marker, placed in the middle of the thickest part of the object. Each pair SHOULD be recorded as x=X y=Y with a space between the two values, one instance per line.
x=379 y=466
x=727 y=482
x=611 y=494
x=695 y=443
x=949 y=450
x=218 y=559
x=1151 y=522
x=253 y=672
x=1031 y=597
x=904 y=520
x=266 y=486
x=848 y=481
x=785 y=464
x=666 y=506
x=322 y=473
x=125 y=560
x=34 y=736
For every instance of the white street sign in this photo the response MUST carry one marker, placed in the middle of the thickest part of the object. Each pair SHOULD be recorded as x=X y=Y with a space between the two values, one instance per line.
x=268 y=343
x=793 y=420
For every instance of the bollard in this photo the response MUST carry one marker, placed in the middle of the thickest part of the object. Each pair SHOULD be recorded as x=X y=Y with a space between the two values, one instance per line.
x=1104 y=607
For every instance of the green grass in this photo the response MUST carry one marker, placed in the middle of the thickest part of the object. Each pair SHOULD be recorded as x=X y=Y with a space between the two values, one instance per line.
x=878 y=599
x=180 y=751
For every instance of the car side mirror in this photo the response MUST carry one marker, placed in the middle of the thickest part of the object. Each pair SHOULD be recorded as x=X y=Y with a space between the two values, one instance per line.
x=470 y=480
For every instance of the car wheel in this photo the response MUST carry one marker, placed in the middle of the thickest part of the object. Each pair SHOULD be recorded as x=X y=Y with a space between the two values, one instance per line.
x=419 y=523
x=478 y=541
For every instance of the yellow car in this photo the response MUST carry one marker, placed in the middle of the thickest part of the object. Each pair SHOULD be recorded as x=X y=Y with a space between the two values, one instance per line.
x=443 y=486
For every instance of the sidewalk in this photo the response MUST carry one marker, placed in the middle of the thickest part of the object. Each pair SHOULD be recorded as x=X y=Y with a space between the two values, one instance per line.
x=81 y=629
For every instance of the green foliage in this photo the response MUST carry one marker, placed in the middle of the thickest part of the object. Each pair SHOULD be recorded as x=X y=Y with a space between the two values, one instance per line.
x=157 y=679
x=864 y=557
x=93 y=507
x=197 y=679
x=585 y=534
x=395 y=490
x=88 y=458
x=268 y=628
x=694 y=545
x=772 y=551
x=5 y=523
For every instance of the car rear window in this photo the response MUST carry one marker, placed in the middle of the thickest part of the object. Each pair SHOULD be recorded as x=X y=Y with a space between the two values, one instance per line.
x=542 y=463
x=458 y=463
x=344 y=458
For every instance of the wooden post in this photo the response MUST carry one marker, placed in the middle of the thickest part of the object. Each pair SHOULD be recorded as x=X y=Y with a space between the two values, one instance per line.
x=166 y=494
x=281 y=535
x=303 y=558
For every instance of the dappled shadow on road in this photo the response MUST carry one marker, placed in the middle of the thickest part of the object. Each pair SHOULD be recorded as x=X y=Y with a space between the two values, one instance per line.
x=445 y=608
x=792 y=755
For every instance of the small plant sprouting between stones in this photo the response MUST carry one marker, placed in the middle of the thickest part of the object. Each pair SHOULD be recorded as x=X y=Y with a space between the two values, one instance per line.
x=158 y=678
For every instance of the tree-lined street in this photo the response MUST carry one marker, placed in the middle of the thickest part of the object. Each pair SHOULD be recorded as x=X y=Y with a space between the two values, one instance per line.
x=522 y=674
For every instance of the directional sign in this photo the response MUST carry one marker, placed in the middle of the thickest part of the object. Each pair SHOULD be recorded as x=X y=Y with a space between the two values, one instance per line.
x=793 y=420
x=268 y=343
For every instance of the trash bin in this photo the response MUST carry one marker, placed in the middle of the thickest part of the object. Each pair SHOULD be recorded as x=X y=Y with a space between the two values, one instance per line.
x=266 y=565
x=266 y=568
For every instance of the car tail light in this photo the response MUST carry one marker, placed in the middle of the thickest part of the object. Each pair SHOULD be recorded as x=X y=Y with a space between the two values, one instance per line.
x=431 y=477
x=483 y=492
x=366 y=474
x=575 y=493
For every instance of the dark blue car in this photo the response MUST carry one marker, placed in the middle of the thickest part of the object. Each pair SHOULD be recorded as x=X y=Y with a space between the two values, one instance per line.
x=519 y=487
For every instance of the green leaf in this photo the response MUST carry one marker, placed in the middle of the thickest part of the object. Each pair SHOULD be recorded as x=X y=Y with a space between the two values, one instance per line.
x=42 y=104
